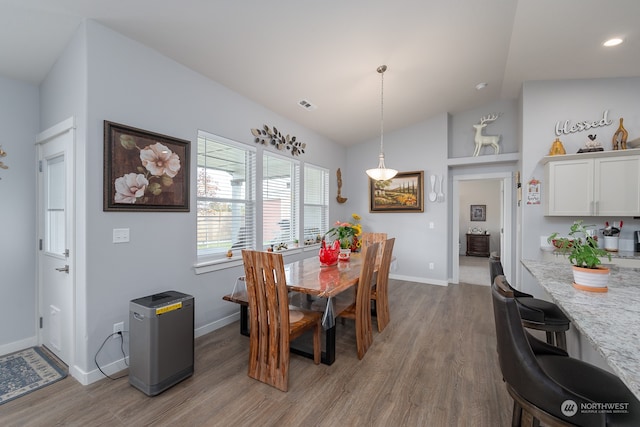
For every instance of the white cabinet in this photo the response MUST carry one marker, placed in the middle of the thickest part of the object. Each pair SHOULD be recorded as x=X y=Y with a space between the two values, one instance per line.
x=593 y=184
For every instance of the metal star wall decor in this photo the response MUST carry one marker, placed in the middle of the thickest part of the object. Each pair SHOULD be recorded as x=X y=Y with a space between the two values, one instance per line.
x=268 y=136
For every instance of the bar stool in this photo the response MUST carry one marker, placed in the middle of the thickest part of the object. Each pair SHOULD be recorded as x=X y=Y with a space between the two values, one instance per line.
x=548 y=385
x=536 y=313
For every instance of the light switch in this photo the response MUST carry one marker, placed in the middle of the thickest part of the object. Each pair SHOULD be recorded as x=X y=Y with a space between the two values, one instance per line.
x=431 y=225
x=120 y=235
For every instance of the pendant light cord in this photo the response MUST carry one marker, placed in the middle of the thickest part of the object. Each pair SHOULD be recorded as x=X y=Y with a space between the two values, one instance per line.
x=381 y=70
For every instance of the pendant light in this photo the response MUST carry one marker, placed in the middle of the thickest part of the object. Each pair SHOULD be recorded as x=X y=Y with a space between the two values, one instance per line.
x=381 y=173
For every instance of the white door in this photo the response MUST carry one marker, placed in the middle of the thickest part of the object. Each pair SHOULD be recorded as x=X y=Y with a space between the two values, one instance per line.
x=55 y=234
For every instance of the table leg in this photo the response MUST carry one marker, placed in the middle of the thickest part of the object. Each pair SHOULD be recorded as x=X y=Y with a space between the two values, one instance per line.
x=328 y=355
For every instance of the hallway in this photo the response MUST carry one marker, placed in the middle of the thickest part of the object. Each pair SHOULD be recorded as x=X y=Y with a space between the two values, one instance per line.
x=474 y=270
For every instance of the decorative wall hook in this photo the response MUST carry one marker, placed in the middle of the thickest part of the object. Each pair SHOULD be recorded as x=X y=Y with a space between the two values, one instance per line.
x=275 y=138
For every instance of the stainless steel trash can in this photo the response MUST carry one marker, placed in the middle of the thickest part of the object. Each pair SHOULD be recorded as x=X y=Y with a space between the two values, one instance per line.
x=160 y=341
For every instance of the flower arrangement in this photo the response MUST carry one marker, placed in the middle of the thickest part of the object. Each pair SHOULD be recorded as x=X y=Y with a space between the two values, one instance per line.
x=347 y=233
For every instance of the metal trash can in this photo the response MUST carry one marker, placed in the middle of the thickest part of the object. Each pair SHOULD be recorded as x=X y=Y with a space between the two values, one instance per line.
x=160 y=341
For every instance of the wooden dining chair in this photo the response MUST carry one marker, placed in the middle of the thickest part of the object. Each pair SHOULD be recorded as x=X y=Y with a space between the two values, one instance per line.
x=380 y=291
x=368 y=238
x=360 y=310
x=272 y=325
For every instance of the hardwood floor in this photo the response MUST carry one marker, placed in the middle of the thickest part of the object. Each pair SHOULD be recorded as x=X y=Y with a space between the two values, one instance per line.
x=434 y=365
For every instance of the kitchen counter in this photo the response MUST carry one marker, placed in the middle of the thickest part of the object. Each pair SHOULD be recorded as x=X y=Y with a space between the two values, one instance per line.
x=610 y=320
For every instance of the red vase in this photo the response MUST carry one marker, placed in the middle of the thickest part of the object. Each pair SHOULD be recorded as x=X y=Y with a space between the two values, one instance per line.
x=329 y=255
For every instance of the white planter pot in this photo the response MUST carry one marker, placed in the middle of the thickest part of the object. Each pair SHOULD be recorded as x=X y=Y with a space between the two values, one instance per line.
x=591 y=279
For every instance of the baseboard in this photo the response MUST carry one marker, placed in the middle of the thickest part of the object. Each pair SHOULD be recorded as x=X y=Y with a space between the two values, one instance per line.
x=210 y=327
x=116 y=367
x=419 y=280
x=18 y=345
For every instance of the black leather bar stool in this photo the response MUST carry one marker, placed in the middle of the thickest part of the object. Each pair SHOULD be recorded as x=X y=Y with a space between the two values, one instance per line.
x=536 y=313
x=553 y=388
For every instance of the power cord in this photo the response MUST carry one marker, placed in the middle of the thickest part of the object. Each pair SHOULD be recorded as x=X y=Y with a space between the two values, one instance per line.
x=95 y=358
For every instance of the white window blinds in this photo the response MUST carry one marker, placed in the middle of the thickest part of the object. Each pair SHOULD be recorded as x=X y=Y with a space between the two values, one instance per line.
x=316 y=202
x=225 y=196
x=280 y=200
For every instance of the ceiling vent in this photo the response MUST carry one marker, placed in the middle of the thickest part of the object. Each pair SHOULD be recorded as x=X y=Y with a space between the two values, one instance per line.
x=306 y=105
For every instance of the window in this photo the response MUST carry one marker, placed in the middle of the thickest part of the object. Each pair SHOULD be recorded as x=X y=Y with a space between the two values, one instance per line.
x=280 y=200
x=316 y=202
x=226 y=198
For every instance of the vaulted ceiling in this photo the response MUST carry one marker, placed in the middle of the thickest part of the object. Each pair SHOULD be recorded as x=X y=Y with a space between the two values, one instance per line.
x=281 y=52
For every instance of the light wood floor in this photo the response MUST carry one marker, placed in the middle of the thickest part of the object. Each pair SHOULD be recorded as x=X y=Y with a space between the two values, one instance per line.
x=434 y=365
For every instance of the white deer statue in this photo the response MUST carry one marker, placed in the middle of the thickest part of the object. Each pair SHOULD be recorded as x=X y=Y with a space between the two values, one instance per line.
x=482 y=140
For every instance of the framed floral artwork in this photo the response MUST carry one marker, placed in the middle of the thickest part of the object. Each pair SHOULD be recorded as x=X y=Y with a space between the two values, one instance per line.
x=144 y=171
x=402 y=193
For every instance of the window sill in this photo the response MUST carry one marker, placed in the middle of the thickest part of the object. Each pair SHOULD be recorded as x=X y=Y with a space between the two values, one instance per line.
x=236 y=261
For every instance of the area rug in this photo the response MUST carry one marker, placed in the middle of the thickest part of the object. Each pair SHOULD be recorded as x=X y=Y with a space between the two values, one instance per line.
x=25 y=371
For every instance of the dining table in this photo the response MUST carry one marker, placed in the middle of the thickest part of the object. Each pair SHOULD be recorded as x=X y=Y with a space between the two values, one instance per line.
x=312 y=286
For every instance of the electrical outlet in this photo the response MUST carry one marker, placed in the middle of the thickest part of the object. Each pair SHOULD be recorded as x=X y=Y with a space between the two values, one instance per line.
x=431 y=266
x=117 y=327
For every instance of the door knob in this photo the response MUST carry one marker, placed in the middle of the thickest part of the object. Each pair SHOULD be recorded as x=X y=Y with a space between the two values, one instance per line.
x=63 y=269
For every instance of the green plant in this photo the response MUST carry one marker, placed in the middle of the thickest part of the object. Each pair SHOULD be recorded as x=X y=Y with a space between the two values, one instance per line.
x=581 y=247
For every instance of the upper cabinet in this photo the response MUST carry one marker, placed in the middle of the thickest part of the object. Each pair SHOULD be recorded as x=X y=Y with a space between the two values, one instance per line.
x=593 y=184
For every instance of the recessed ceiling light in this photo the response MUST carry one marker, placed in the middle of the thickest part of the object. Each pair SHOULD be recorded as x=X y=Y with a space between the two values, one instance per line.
x=612 y=42
x=481 y=86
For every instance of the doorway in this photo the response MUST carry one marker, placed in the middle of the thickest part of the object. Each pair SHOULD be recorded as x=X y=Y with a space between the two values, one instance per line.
x=56 y=250
x=502 y=224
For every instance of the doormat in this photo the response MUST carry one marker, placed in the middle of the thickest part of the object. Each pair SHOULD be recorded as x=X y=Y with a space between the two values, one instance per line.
x=25 y=371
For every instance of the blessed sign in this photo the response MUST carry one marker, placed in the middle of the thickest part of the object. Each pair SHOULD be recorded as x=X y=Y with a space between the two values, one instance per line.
x=567 y=128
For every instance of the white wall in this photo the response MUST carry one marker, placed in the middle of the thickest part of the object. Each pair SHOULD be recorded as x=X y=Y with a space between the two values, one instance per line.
x=19 y=123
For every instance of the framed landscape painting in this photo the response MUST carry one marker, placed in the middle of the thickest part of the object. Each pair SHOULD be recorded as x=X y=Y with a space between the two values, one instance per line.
x=144 y=171
x=402 y=193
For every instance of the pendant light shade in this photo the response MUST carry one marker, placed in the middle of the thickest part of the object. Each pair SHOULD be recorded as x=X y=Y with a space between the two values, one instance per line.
x=381 y=173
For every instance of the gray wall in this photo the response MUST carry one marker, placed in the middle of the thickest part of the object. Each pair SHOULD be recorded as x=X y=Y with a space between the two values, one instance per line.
x=543 y=104
x=418 y=147
x=19 y=123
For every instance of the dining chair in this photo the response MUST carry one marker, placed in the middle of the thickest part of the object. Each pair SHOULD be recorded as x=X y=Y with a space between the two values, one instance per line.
x=360 y=309
x=368 y=238
x=271 y=324
x=380 y=291
x=536 y=313
x=550 y=386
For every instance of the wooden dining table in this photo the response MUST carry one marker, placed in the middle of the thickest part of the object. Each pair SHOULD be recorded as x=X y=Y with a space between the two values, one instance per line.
x=313 y=287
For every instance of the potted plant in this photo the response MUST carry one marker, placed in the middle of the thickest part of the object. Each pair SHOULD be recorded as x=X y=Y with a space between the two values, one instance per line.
x=583 y=252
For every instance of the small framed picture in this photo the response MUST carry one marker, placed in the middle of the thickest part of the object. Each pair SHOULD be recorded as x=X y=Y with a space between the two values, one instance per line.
x=478 y=212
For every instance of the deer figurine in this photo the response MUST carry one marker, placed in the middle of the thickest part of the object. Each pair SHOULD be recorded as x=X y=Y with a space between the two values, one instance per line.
x=482 y=140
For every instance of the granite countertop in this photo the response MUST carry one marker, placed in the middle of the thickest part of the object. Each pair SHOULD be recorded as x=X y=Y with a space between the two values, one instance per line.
x=609 y=320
